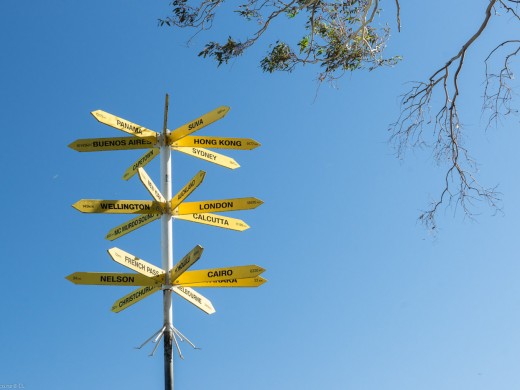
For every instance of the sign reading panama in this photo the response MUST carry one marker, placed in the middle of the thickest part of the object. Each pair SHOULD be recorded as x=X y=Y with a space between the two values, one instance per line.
x=122 y=124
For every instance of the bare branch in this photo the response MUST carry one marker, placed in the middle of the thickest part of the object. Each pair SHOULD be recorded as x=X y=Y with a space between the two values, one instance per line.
x=461 y=188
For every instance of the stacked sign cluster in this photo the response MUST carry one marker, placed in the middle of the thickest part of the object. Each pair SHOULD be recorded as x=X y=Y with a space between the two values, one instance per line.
x=148 y=277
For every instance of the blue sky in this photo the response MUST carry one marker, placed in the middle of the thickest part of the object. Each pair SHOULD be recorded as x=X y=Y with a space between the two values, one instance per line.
x=359 y=295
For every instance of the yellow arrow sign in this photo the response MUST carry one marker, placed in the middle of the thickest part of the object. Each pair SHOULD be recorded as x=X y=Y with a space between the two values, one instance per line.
x=210 y=156
x=105 y=144
x=246 y=282
x=195 y=298
x=150 y=185
x=215 y=220
x=197 y=124
x=135 y=263
x=217 y=143
x=217 y=274
x=141 y=162
x=186 y=262
x=130 y=226
x=220 y=205
x=134 y=297
x=187 y=190
x=123 y=124
x=118 y=206
x=112 y=279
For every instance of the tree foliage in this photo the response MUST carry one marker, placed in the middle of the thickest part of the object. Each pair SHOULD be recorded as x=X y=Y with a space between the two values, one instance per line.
x=338 y=36
x=343 y=36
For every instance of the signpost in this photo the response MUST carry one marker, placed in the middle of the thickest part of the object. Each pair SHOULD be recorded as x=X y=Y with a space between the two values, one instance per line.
x=169 y=279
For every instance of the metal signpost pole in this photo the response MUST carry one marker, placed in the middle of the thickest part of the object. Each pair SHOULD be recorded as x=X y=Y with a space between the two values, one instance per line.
x=167 y=252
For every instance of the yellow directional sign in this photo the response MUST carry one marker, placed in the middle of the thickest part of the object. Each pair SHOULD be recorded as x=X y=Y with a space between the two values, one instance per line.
x=135 y=263
x=187 y=190
x=217 y=143
x=210 y=156
x=215 y=220
x=112 y=279
x=123 y=124
x=220 y=205
x=118 y=206
x=134 y=297
x=130 y=226
x=217 y=274
x=119 y=143
x=246 y=282
x=197 y=124
x=150 y=185
x=141 y=162
x=186 y=262
x=195 y=298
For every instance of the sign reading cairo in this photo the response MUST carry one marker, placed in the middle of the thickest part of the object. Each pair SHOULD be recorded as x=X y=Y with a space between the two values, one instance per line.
x=217 y=274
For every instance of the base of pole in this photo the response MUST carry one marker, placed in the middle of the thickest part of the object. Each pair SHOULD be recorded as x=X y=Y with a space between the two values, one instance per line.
x=168 y=359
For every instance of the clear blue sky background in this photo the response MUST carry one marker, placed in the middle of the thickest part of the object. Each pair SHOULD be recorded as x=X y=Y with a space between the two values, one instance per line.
x=360 y=296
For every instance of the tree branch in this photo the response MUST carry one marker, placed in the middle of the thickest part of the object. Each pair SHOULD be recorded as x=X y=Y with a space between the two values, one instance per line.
x=460 y=184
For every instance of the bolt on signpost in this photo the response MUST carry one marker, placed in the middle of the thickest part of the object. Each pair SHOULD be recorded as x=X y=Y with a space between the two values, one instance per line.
x=170 y=278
